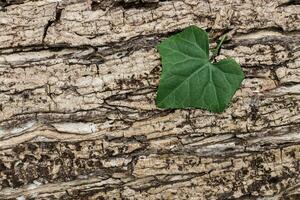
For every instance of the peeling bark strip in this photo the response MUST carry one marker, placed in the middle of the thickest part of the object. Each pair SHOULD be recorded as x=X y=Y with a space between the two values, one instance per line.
x=78 y=118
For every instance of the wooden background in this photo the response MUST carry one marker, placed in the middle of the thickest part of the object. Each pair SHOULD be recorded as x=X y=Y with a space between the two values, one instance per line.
x=78 y=120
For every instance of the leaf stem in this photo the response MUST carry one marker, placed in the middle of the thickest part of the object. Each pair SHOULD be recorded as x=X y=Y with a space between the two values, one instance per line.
x=220 y=44
x=217 y=49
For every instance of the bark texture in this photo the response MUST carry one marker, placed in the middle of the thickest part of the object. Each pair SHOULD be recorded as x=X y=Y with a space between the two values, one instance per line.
x=77 y=114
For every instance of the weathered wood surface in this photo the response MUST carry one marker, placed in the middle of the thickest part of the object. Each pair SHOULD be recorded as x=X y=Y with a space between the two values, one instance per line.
x=78 y=118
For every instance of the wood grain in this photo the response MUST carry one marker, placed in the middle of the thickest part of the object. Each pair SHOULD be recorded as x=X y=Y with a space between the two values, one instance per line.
x=78 y=120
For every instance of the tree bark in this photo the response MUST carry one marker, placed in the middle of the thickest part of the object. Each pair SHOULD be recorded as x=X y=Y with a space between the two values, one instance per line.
x=78 y=120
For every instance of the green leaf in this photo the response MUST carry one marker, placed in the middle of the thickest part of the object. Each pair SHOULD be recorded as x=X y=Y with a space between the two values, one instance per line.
x=190 y=79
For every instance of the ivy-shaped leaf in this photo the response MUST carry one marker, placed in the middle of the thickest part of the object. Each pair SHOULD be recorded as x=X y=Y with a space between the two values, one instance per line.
x=190 y=79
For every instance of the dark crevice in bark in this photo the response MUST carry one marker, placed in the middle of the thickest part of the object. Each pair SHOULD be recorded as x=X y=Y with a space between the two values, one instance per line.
x=288 y=43
x=130 y=45
x=102 y=5
x=6 y=3
x=290 y=84
x=38 y=48
x=277 y=29
x=2 y=8
x=289 y=3
x=134 y=44
x=50 y=22
x=131 y=4
x=274 y=75
x=28 y=48
x=94 y=115
x=164 y=180
x=137 y=4
x=127 y=47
